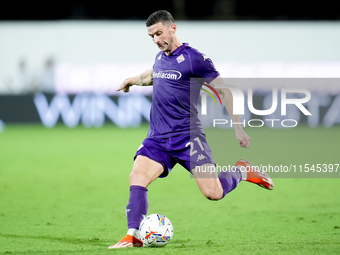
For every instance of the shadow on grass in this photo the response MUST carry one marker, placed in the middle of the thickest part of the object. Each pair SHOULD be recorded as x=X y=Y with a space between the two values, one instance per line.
x=89 y=251
x=100 y=245
x=178 y=244
x=58 y=239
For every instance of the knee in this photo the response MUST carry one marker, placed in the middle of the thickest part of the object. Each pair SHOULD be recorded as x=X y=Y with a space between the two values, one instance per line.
x=137 y=178
x=213 y=194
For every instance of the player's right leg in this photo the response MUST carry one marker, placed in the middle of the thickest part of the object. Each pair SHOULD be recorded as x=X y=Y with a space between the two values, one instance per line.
x=145 y=171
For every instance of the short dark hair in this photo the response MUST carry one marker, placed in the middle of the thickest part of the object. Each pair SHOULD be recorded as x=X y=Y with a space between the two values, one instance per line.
x=160 y=16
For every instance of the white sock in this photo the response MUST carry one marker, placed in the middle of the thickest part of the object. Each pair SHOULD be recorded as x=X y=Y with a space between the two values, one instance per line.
x=243 y=171
x=133 y=232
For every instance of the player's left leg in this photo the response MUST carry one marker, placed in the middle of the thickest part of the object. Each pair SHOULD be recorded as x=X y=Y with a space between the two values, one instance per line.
x=213 y=186
x=207 y=182
x=254 y=175
x=199 y=161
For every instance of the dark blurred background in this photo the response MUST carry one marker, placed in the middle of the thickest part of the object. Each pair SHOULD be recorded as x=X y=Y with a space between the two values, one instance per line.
x=181 y=10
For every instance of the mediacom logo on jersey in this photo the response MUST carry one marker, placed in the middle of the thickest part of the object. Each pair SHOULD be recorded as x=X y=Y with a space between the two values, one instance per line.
x=167 y=74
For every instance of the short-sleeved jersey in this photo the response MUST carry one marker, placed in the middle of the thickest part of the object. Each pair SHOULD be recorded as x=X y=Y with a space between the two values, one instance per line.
x=177 y=81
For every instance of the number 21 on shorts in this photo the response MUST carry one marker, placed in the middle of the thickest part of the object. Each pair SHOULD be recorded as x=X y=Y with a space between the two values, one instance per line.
x=192 y=151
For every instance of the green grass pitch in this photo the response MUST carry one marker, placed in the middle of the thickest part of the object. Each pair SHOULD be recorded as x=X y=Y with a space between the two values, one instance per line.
x=64 y=191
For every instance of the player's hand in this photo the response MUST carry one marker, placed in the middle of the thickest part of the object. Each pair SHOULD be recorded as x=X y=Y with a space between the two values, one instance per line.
x=243 y=138
x=125 y=86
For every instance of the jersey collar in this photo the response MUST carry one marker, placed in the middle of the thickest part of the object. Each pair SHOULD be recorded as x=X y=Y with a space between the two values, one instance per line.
x=179 y=49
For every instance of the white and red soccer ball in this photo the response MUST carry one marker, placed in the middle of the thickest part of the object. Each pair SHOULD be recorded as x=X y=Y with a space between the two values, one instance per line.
x=156 y=230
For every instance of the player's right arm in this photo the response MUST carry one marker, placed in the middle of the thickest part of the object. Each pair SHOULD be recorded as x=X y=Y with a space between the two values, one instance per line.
x=144 y=79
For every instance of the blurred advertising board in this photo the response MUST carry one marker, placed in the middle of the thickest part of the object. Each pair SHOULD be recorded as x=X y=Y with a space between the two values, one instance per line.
x=131 y=110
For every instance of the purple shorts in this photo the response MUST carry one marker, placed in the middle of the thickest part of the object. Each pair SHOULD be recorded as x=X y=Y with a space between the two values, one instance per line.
x=188 y=151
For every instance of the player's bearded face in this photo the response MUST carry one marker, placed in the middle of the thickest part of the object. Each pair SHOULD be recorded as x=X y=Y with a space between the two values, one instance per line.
x=162 y=35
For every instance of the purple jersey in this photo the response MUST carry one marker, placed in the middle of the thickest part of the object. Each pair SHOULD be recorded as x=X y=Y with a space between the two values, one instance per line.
x=176 y=91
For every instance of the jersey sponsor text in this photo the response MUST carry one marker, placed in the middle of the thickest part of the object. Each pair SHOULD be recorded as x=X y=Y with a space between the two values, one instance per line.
x=167 y=74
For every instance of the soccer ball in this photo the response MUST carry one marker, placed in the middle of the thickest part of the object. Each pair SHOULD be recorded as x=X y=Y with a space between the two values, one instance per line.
x=156 y=230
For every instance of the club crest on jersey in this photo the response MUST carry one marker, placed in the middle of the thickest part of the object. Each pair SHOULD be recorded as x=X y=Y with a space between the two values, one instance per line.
x=180 y=58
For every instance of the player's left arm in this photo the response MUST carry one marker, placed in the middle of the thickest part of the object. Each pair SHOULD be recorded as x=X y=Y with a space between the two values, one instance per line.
x=227 y=98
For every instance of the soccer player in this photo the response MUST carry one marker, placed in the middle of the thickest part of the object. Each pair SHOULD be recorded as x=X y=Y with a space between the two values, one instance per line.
x=175 y=134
